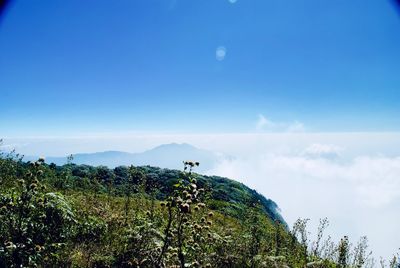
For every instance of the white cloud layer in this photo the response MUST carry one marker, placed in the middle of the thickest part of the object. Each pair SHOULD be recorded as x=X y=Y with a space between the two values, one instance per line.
x=355 y=195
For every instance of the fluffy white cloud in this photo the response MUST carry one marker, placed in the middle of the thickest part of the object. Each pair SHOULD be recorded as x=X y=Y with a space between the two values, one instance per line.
x=263 y=123
x=352 y=194
x=373 y=181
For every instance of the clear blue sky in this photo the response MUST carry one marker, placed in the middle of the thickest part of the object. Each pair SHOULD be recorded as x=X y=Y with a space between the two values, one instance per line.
x=150 y=65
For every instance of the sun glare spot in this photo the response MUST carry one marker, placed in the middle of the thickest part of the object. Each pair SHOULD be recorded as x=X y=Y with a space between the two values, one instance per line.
x=220 y=53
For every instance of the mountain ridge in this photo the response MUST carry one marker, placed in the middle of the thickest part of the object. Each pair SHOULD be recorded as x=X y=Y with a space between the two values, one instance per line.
x=164 y=155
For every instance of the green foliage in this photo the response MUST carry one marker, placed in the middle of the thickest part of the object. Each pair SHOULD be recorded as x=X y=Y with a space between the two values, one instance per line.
x=83 y=216
x=35 y=225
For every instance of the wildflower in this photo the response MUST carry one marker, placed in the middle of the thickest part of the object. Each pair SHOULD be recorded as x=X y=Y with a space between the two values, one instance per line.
x=38 y=248
x=196 y=208
x=202 y=205
x=209 y=223
x=162 y=204
x=33 y=186
x=194 y=181
x=40 y=172
x=41 y=159
x=210 y=214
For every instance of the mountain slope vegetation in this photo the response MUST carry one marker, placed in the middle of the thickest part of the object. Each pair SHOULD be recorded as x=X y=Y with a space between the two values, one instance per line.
x=84 y=216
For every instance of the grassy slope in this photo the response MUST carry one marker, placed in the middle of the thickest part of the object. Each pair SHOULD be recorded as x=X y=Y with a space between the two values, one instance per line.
x=83 y=216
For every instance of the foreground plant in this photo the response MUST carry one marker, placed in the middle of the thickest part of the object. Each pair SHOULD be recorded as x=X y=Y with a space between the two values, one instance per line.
x=188 y=227
x=34 y=224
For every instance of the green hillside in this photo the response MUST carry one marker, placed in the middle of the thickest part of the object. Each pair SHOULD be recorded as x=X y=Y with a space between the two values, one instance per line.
x=84 y=216
x=225 y=195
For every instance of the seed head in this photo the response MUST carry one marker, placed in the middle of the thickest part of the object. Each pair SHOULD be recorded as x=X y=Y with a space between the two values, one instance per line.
x=185 y=208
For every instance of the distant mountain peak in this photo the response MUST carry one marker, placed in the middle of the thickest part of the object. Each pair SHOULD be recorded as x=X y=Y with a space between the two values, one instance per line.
x=168 y=155
x=175 y=145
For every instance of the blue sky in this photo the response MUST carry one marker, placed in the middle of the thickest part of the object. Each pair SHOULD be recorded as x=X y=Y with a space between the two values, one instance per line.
x=87 y=76
x=70 y=67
